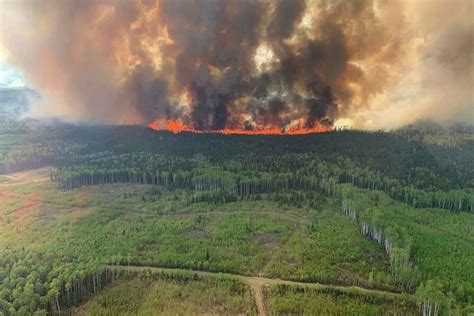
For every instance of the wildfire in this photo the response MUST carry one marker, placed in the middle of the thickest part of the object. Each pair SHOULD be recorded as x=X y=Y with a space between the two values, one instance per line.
x=176 y=126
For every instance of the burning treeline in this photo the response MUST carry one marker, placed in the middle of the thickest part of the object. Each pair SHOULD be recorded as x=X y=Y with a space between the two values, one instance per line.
x=246 y=65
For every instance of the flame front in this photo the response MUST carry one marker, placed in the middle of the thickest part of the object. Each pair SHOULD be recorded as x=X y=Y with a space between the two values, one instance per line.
x=175 y=126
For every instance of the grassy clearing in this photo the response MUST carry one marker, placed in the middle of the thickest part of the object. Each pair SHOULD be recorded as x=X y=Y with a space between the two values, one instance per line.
x=170 y=297
x=146 y=225
x=330 y=247
x=244 y=237
x=290 y=300
x=146 y=291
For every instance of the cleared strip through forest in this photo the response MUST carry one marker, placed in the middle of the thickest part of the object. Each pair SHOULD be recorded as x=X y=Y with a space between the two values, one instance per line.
x=261 y=281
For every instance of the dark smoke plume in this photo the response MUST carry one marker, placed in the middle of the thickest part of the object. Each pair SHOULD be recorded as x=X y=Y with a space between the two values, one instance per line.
x=213 y=64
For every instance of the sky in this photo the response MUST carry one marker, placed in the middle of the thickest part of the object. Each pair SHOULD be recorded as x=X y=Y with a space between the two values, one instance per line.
x=10 y=77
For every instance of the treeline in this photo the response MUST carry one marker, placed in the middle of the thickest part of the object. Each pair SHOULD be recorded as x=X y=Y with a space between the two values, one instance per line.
x=378 y=218
x=417 y=164
x=452 y=200
x=35 y=282
x=288 y=172
x=36 y=155
x=213 y=181
x=345 y=171
x=404 y=272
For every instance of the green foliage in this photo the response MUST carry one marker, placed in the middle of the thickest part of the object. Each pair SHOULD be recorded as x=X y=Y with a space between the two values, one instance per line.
x=81 y=230
x=431 y=299
x=287 y=300
x=423 y=244
x=331 y=249
x=266 y=205
x=145 y=297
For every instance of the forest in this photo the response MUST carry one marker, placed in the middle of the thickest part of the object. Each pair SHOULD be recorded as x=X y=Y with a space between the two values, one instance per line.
x=86 y=211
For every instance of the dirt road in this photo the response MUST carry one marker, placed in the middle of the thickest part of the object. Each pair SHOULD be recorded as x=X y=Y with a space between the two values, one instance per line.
x=258 y=283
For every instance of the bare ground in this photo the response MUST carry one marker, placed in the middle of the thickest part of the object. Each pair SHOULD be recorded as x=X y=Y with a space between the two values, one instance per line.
x=29 y=176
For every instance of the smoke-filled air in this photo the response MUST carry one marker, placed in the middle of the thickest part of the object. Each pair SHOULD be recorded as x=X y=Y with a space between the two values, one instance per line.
x=289 y=66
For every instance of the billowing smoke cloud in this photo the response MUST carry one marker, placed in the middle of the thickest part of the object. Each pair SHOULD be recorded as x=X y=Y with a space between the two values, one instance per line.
x=244 y=64
x=436 y=79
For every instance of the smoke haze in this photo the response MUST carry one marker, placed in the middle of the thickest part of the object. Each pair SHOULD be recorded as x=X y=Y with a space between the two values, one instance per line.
x=241 y=64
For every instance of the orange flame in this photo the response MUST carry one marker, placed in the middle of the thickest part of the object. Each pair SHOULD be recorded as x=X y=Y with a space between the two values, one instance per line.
x=176 y=126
